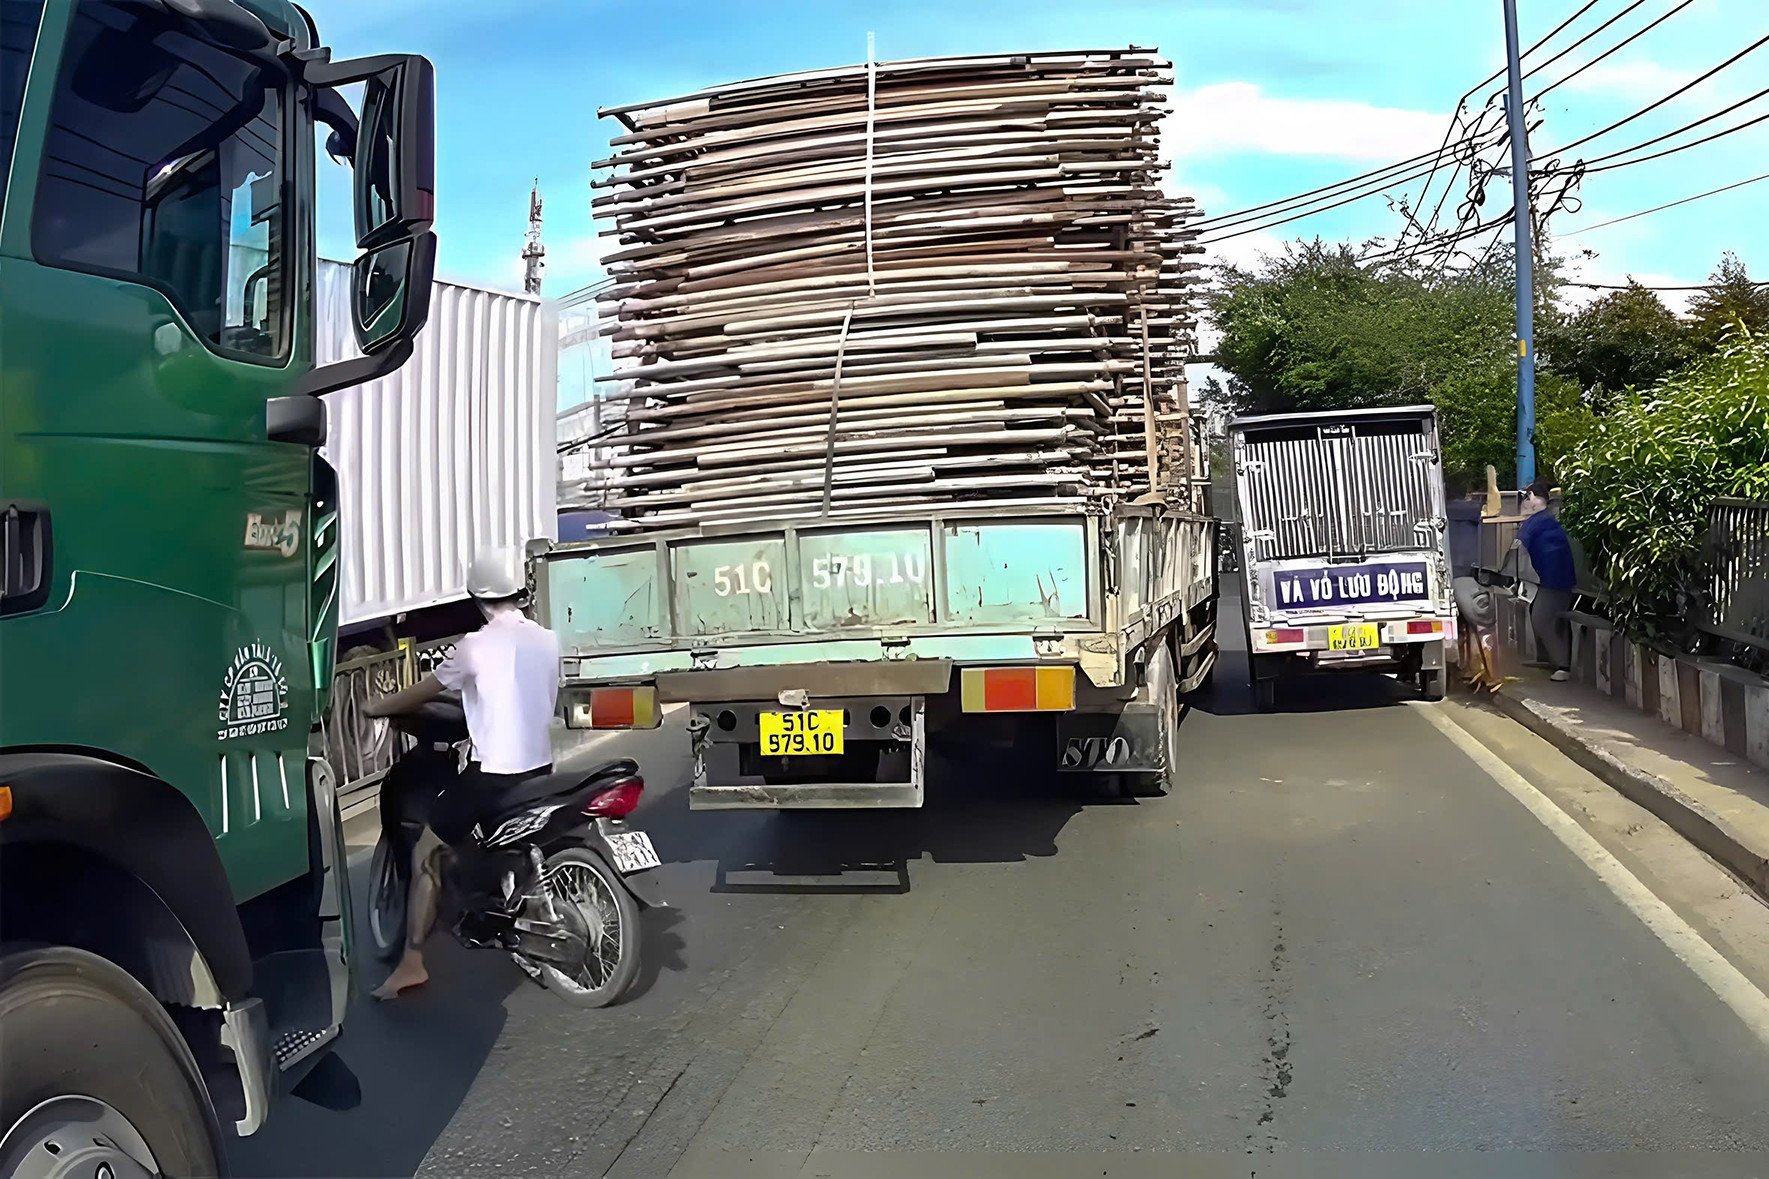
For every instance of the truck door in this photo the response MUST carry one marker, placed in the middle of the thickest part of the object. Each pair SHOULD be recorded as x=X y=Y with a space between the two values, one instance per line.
x=149 y=288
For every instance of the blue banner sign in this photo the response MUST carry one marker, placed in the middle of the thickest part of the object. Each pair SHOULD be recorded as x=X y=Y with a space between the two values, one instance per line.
x=1350 y=585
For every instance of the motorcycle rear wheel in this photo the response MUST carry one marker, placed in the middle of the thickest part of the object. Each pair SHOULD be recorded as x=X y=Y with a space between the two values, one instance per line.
x=387 y=900
x=582 y=879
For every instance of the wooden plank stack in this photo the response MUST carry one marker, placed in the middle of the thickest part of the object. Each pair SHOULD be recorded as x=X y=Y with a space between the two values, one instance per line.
x=888 y=286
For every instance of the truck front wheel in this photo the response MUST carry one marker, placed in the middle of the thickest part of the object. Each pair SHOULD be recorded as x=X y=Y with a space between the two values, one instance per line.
x=98 y=1080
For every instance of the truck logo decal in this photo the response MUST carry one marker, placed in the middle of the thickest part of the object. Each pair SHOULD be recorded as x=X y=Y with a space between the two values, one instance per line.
x=254 y=695
x=1086 y=753
x=265 y=531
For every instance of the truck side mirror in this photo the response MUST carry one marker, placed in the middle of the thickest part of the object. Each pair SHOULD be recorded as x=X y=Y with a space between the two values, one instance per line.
x=390 y=290
x=394 y=178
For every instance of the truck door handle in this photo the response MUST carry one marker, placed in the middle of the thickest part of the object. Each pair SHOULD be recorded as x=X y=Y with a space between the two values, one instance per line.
x=25 y=556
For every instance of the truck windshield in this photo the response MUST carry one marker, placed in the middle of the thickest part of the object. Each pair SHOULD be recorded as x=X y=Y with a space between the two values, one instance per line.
x=165 y=165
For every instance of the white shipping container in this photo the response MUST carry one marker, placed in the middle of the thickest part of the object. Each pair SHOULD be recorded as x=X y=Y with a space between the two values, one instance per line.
x=452 y=452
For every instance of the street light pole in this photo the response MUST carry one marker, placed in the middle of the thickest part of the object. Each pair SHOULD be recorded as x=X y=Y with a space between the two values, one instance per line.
x=1526 y=299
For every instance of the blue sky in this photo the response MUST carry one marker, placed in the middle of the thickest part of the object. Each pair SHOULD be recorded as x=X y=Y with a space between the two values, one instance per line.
x=1272 y=97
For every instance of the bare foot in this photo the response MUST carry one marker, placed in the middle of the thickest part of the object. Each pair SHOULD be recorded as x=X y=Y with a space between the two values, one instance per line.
x=408 y=974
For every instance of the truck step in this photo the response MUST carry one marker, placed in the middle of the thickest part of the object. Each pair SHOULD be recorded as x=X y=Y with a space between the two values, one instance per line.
x=297 y=1044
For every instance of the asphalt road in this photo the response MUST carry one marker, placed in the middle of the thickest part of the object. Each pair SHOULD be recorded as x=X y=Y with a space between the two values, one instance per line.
x=1341 y=935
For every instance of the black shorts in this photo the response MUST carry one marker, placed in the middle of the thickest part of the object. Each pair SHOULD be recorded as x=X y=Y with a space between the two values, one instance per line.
x=473 y=796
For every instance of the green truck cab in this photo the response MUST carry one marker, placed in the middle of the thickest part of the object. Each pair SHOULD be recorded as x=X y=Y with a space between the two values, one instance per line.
x=174 y=916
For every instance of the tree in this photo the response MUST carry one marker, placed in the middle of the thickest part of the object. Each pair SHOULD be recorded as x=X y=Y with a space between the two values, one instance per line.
x=1730 y=300
x=1315 y=329
x=1641 y=481
x=1628 y=339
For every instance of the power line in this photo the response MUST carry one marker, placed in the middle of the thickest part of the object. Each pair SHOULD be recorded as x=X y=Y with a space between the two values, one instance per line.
x=1374 y=189
x=1325 y=190
x=1449 y=238
x=1469 y=212
x=1623 y=44
x=1536 y=69
x=1671 y=151
x=1671 y=134
x=1610 y=286
x=1239 y=216
x=1685 y=88
x=1671 y=205
x=1462 y=102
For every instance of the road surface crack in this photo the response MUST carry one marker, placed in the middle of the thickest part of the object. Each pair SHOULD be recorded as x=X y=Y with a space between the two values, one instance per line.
x=1276 y=1068
x=644 y=1121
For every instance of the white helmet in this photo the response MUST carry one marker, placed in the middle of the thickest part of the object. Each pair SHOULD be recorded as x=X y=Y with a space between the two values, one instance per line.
x=496 y=573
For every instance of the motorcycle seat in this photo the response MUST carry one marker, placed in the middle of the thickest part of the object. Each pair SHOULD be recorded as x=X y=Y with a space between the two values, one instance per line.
x=563 y=783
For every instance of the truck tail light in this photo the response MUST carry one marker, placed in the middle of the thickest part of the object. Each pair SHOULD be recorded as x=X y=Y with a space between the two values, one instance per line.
x=1424 y=627
x=615 y=708
x=1276 y=638
x=1017 y=689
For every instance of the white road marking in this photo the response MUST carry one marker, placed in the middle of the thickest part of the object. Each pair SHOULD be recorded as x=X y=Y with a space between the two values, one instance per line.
x=1721 y=977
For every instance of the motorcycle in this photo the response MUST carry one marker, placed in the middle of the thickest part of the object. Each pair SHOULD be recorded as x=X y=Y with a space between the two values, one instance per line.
x=556 y=879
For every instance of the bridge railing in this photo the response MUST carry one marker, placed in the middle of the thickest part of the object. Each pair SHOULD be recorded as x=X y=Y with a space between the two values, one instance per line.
x=361 y=749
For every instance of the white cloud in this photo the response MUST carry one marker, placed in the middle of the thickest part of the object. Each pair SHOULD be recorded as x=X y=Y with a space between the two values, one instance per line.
x=1240 y=117
x=1245 y=251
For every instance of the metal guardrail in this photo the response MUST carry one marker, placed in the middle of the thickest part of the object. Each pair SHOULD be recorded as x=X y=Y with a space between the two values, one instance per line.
x=362 y=749
x=1735 y=603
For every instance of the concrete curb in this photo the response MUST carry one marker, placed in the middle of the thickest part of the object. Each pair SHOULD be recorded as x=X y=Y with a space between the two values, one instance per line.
x=1688 y=817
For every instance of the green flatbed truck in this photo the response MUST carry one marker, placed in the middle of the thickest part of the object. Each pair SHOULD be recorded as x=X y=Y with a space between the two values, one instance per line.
x=174 y=916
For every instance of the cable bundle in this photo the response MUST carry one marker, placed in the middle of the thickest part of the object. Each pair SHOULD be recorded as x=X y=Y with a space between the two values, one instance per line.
x=899 y=284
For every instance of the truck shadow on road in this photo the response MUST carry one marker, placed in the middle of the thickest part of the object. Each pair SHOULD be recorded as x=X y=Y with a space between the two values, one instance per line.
x=416 y=1059
x=1231 y=693
x=997 y=807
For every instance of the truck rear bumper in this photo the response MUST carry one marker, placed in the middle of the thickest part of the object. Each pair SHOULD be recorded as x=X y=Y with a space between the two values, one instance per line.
x=883 y=762
x=1305 y=638
x=805 y=796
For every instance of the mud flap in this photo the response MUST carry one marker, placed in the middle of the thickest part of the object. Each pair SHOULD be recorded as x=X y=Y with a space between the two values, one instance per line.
x=1128 y=742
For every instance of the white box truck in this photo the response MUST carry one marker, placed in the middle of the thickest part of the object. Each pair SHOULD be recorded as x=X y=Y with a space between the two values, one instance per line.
x=1344 y=541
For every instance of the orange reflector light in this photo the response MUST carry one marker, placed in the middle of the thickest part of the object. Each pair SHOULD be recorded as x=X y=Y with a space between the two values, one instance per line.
x=617 y=708
x=5 y=802
x=1017 y=689
x=1418 y=627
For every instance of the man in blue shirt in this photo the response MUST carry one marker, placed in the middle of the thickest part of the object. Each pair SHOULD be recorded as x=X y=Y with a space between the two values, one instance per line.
x=1550 y=551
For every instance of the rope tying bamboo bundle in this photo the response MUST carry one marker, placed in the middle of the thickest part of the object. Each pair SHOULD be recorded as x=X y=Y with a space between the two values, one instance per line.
x=897 y=284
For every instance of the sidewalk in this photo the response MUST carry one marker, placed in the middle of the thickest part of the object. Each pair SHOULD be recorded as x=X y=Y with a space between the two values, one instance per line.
x=1716 y=800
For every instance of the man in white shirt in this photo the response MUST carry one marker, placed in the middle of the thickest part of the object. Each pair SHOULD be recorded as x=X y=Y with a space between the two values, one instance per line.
x=508 y=675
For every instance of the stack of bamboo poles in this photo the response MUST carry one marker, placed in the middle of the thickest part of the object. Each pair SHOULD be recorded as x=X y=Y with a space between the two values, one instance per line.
x=887 y=286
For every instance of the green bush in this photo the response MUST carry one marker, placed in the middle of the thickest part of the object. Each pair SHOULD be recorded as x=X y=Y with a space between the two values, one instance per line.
x=1564 y=419
x=1640 y=479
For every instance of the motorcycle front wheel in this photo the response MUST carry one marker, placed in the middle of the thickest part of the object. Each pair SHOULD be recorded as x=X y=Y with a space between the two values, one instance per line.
x=387 y=896
x=583 y=880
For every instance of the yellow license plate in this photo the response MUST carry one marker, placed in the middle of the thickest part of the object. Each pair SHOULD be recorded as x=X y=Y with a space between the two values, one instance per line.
x=801 y=733
x=1357 y=636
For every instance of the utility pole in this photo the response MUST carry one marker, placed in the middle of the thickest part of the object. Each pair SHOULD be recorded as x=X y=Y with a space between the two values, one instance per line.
x=532 y=250
x=1526 y=256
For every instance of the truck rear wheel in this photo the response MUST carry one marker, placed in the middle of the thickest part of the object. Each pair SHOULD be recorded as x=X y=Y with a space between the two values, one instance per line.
x=98 y=1080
